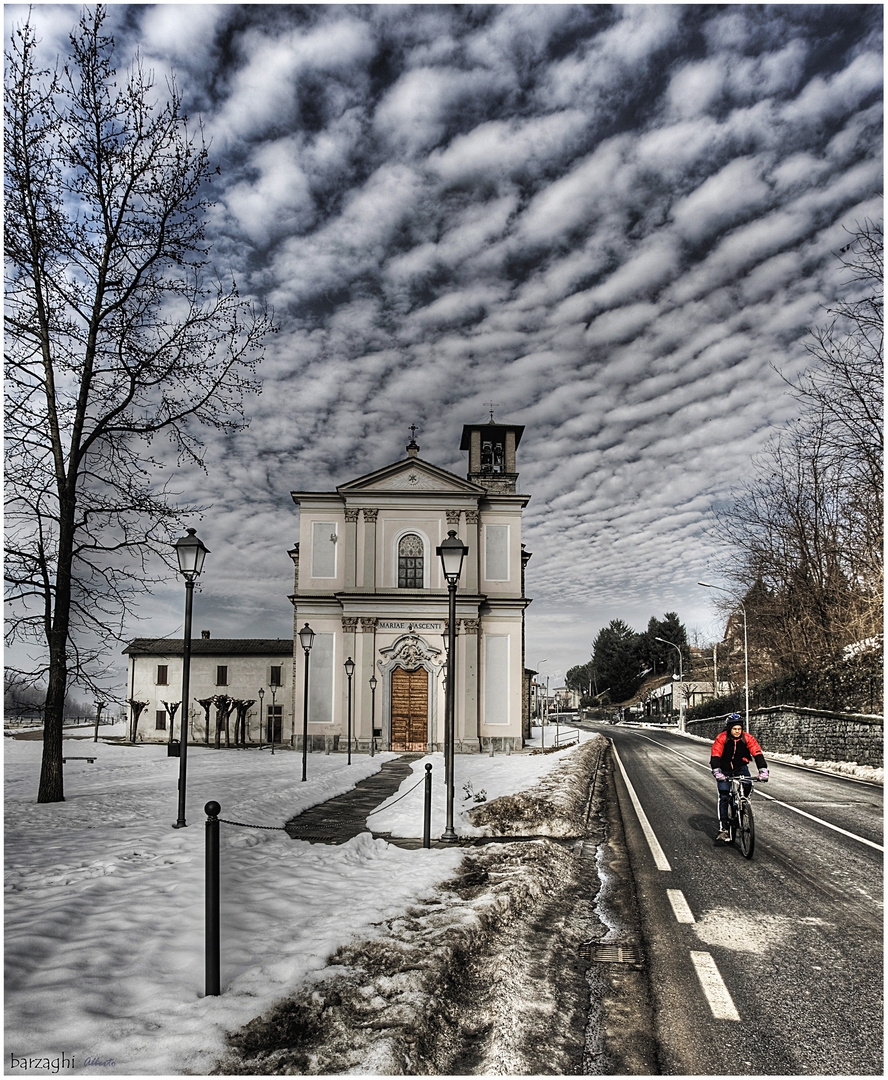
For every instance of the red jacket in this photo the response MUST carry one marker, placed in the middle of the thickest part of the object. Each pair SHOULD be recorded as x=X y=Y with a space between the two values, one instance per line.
x=730 y=755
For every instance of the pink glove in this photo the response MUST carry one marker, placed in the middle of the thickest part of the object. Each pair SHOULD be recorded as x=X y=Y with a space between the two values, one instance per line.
x=763 y=774
x=718 y=774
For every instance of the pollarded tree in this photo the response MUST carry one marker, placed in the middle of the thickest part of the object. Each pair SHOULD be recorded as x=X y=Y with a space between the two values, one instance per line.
x=114 y=338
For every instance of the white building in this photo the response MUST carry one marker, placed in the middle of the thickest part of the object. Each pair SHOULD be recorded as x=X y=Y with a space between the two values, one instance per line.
x=666 y=700
x=369 y=583
x=226 y=677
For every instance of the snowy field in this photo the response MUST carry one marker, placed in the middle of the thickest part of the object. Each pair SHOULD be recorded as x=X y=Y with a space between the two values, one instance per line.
x=104 y=900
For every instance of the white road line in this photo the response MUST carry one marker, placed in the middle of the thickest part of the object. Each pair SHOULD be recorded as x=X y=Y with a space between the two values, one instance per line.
x=680 y=906
x=770 y=798
x=660 y=860
x=714 y=987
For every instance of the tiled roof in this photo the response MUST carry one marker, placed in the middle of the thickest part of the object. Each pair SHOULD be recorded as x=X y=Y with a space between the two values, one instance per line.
x=211 y=647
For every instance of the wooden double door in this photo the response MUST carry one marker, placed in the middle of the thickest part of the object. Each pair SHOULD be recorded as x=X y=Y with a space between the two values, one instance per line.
x=410 y=710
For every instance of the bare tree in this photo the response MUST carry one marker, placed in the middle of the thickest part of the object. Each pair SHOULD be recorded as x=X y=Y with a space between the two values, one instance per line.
x=808 y=526
x=114 y=339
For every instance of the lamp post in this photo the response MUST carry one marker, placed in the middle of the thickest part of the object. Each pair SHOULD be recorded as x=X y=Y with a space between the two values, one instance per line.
x=261 y=713
x=446 y=638
x=273 y=714
x=545 y=718
x=306 y=640
x=349 y=671
x=373 y=685
x=706 y=585
x=451 y=553
x=190 y=552
x=681 y=701
x=539 y=706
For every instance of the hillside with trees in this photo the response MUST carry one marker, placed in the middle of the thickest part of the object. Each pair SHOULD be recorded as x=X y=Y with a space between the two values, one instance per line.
x=622 y=658
x=804 y=537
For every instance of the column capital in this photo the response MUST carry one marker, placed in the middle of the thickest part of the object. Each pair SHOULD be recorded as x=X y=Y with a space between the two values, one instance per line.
x=369 y=514
x=452 y=517
x=473 y=517
x=349 y=624
x=471 y=626
x=351 y=515
x=368 y=626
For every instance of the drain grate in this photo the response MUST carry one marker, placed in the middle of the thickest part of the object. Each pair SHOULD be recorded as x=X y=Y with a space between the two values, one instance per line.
x=609 y=954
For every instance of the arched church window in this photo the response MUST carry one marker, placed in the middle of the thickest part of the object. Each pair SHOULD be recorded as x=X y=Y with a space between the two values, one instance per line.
x=410 y=562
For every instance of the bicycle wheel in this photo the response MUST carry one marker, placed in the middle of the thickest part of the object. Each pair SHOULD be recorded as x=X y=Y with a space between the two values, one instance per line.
x=746 y=829
x=733 y=820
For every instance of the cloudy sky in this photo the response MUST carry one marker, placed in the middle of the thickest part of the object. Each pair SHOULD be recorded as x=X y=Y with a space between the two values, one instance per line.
x=617 y=223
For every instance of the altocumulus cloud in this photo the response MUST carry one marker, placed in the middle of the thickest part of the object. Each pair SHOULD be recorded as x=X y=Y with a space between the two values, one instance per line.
x=613 y=222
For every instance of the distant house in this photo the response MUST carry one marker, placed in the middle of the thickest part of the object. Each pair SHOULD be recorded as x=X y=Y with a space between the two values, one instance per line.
x=565 y=699
x=666 y=699
x=223 y=671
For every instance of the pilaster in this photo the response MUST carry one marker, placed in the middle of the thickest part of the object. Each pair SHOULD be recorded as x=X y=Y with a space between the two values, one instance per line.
x=473 y=559
x=351 y=547
x=349 y=628
x=369 y=580
x=364 y=670
x=470 y=637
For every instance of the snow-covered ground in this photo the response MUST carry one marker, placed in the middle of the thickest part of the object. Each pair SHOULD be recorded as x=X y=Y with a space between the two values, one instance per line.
x=104 y=900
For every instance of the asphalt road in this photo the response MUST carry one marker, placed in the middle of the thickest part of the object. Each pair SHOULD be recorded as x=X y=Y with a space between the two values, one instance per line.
x=765 y=966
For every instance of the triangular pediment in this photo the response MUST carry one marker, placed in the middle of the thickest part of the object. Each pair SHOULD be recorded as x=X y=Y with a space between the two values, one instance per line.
x=412 y=474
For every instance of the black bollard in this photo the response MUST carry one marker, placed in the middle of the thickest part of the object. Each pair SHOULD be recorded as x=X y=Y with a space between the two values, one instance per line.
x=212 y=900
x=427 y=816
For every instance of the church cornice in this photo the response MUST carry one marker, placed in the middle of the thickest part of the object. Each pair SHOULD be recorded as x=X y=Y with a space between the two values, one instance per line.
x=408 y=475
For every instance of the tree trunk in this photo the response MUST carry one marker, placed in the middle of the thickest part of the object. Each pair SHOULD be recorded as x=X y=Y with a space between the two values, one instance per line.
x=52 y=785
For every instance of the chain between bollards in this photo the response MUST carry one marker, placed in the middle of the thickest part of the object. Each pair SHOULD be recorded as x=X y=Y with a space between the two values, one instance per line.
x=212 y=980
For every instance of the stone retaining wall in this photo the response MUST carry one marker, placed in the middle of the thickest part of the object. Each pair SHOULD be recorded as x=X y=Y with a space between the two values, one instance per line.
x=810 y=733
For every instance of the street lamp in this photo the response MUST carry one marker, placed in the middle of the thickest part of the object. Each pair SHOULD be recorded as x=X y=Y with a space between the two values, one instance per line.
x=545 y=719
x=273 y=714
x=306 y=640
x=349 y=671
x=681 y=700
x=190 y=552
x=373 y=685
x=451 y=553
x=539 y=706
x=261 y=714
x=721 y=588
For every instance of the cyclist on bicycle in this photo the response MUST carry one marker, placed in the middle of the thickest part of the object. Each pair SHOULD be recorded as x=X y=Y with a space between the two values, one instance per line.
x=731 y=753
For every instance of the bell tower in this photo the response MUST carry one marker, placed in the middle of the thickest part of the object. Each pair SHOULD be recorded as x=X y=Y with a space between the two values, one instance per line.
x=491 y=448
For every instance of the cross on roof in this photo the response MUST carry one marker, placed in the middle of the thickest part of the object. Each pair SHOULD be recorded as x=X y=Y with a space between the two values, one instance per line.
x=413 y=432
x=491 y=405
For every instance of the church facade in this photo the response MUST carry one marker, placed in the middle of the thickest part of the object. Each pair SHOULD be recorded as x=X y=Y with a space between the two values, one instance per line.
x=369 y=583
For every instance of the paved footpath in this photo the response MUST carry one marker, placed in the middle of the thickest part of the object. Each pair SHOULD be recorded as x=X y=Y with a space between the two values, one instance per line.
x=338 y=819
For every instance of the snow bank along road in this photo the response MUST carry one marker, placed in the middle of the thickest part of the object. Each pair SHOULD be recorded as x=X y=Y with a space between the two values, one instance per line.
x=765 y=966
x=489 y=976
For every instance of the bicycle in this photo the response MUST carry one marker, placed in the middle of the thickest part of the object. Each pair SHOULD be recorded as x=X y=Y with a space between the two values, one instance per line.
x=741 y=823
